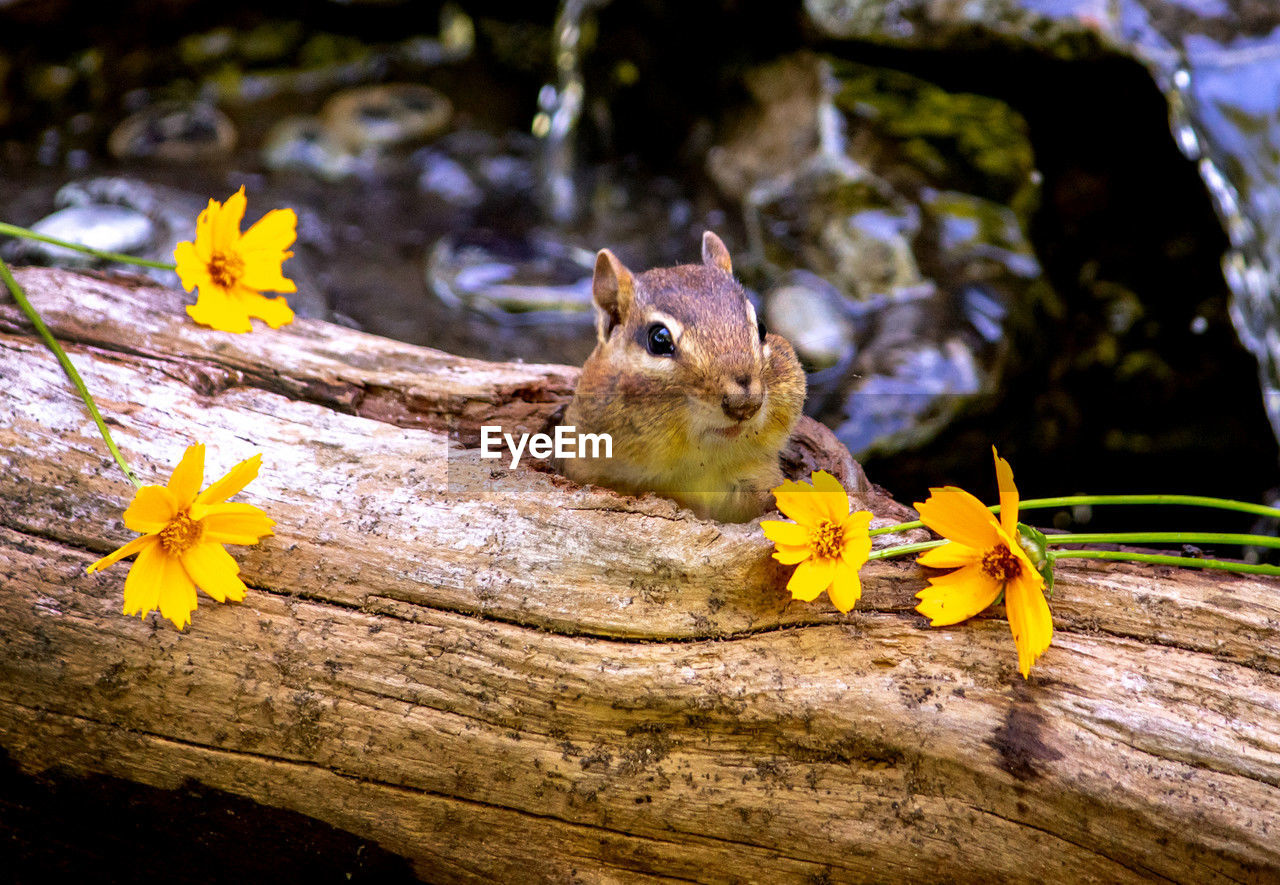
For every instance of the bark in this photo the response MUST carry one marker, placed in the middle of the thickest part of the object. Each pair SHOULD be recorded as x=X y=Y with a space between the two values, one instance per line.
x=504 y=676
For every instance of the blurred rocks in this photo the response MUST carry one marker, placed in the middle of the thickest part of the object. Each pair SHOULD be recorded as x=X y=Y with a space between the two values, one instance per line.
x=108 y=228
x=358 y=131
x=1218 y=66
x=174 y=132
x=810 y=313
x=386 y=115
x=857 y=183
x=513 y=280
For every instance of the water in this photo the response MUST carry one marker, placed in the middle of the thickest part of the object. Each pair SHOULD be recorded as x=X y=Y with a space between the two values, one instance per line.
x=560 y=109
x=1226 y=116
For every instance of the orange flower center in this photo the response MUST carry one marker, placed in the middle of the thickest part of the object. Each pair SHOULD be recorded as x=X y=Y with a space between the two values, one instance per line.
x=226 y=269
x=181 y=534
x=1000 y=563
x=827 y=540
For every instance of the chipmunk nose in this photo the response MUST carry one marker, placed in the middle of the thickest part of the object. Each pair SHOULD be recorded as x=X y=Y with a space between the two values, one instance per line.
x=741 y=402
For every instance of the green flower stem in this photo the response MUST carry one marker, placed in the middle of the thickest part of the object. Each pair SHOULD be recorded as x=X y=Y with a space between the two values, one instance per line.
x=1164 y=538
x=63 y=360
x=1186 y=500
x=904 y=549
x=14 y=231
x=1076 y=500
x=900 y=527
x=1159 y=559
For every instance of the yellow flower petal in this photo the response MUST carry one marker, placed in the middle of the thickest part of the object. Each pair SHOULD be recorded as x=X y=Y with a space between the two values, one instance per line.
x=1008 y=495
x=177 y=593
x=187 y=477
x=235 y=524
x=192 y=269
x=811 y=577
x=142 y=586
x=959 y=516
x=214 y=571
x=846 y=586
x=831 y=496
x=785 y=532
x=166 y=571
x=949 y=555
x=137 y=545
x=272 y=233
x=809 y=507
x=264 y=274
x=856 y=525
x=230 y=270
x=236 y=479
x=151 y=509
x=220 y=311
x=788 y=554
x=957 y=596
x=825 y=540
x=796 y=501
x=204 y=231
x=226 y=221
x=1029 y=618
x=275 y=311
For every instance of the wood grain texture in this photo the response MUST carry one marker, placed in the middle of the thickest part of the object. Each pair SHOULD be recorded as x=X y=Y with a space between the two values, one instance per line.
x=507 y=677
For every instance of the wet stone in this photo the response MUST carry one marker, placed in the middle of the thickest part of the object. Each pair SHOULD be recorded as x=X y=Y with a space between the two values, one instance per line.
x=915 y=133
x=386 y=115
x=809 y=312
x=304 y=144
x=448 y=179
x=468 y=167
x=513 y=279
x=171 y=215
x=174 y=132
x=891 y=192
x=972 y=228
x=508 y=172
x=805 y=219
x=984 y=311
x=872 y=251
x=456 y=41
x=357 y=131
x=907 y=404
x=109 y=228
x=781 y=131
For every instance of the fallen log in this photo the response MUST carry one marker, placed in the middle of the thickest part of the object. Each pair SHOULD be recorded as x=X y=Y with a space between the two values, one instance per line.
x=503 y=676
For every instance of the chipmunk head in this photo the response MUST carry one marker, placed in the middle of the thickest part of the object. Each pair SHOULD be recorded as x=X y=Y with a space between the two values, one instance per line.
x=685 y=330
x=696 y=398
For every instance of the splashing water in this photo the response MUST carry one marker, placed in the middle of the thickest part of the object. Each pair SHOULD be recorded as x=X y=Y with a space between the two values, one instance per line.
x=560 y=108
x=1225 y=111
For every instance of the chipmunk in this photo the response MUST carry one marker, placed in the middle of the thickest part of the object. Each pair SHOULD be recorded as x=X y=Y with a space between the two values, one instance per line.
x=697 y=398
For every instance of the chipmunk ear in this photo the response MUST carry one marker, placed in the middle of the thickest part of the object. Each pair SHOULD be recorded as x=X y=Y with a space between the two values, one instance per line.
x=715 y=253
x=613 y=288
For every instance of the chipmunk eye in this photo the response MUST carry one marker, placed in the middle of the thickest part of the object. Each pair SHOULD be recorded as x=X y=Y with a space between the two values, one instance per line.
x=660 y=341
x=763 y=331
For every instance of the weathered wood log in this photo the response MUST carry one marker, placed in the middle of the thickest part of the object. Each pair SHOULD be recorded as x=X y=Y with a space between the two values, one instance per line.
x=507 y=677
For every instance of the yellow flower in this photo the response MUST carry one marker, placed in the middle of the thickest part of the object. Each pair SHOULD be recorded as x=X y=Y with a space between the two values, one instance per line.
x=185 y=532
x=829 y=543
x=231 y=269
x=987 y=559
